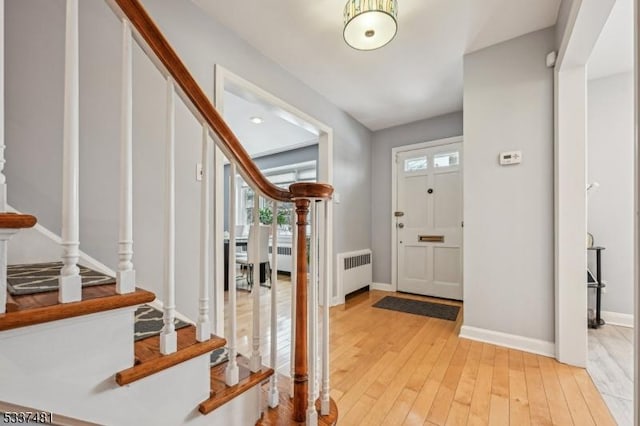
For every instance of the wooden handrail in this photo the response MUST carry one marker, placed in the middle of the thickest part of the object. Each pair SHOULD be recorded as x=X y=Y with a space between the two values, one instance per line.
x=16 y=221
x=134 y=12
x=303 y=194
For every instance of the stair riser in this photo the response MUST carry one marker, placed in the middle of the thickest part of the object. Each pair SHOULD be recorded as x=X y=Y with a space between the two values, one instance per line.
x=68 y=367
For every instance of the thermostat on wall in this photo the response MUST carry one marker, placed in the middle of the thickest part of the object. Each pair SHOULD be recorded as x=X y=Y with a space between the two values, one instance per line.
x=511 y=157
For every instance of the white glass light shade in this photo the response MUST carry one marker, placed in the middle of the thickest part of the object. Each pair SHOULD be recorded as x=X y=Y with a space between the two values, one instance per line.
x=370 y=24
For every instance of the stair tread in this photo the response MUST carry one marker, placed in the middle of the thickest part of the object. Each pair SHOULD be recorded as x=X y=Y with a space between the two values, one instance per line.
x=32 y=309
x=221 y=393
x=16 y=221
x=282 y=414
x=149 y=360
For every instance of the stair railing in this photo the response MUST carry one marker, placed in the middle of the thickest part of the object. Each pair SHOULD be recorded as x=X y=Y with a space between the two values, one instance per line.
x=137 y=25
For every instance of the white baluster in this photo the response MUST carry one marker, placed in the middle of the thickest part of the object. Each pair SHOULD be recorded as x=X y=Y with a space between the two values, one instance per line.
x=126 y=275
x=232 y=371
x=325 y=280
x=273 y=381
x=312 y=323
x=3 y=180
x=294 y=273
x=203 y=326
x=168 y=337
x=255 y=363
x=70 y=282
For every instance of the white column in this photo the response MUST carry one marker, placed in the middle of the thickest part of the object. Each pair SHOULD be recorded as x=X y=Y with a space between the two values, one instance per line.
x=3 y=180
x=70 y=282
x=255 y=363
x=312 y=323
x=126 y=275
x=168 y=337
x=325 y=282
x=232 y=371
x=273 y=396
x=294 y=273
x=5 y=235
x=203 y=326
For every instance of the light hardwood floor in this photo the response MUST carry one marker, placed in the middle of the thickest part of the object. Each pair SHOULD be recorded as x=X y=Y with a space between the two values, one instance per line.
x=611 y=367
x=391 y=368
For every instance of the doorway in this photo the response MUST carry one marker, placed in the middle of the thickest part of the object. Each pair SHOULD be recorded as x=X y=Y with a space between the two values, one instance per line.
x=428 y=219
x=227 y=83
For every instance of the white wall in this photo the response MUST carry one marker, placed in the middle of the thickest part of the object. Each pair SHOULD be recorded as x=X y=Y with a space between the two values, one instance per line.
x=34 y=99
x=508 y=233
x=383 y=141
x=610 y=163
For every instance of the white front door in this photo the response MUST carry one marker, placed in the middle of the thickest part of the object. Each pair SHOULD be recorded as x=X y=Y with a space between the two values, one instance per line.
x=429 y=221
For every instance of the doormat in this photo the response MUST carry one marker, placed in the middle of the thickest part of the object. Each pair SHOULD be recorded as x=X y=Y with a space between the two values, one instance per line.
x=419 y=307
x=43 y=277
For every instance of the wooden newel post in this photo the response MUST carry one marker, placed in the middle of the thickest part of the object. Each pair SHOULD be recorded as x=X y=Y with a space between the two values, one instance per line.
x=301 y=376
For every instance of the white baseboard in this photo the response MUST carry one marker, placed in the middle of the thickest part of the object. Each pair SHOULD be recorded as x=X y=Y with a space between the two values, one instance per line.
x=382 y=287
x=616 y=318
x=512 y=341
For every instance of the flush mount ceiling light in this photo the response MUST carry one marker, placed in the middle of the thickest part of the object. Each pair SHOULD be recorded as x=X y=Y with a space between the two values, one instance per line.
x=370 y=24
x=256 y=120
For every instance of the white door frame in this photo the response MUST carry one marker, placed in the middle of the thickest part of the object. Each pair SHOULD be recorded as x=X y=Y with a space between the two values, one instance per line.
x=223 y=78
x=585 y=23
x=637 y=214
x=394 y=199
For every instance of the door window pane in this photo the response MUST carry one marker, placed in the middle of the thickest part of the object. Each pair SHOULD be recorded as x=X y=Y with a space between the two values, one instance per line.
x=415 y=164
x=446 y=159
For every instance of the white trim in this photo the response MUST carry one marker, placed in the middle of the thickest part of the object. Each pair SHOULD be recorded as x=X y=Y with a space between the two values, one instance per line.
x=394 y=200
x=157 y=303
x=616 y=318
x=382 y=287
x=86 y=260
x=521 y=343
x=585 y=23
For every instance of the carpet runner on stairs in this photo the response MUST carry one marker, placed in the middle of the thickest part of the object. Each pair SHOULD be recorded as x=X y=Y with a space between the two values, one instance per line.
x=148 y=322
x=43 y=277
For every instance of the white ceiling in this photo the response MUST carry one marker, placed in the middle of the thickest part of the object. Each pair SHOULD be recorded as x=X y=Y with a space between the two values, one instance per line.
x=273 y=135
x=418 y=75
x=613 y=52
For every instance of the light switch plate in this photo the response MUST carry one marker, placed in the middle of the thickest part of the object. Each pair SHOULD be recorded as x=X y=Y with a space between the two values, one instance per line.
x=336 y=197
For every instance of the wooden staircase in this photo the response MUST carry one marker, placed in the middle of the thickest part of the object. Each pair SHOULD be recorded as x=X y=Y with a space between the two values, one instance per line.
x=76 y=343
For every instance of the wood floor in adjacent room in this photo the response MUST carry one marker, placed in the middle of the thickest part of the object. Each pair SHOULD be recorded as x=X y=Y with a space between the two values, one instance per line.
x=392 y=368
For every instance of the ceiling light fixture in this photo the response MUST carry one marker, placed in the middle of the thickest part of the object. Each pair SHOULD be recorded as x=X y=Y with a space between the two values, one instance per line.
x=370 y=24
x=256 y=120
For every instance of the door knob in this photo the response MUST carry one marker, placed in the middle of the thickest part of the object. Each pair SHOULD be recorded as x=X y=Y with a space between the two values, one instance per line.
x=401 y=225
x=430 y=190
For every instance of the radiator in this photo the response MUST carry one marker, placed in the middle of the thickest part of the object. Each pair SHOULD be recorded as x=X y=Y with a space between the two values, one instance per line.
x=354 y=270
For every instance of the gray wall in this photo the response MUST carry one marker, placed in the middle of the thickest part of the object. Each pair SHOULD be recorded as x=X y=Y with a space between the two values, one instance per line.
x=610 y=163
x=508 y=233
x=383 y=141
x=294 y=156
x=34 y=100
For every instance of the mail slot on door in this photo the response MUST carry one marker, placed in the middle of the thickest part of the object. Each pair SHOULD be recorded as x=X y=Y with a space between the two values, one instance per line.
x=431 y=238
